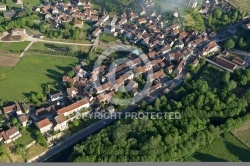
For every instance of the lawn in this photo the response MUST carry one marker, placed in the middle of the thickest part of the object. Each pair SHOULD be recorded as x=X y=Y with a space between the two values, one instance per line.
x=107 y=38
x=34 y=151
x=243 y=133
x=30 y=73
x=242 y=4
x=32 y=2
x=224 y=149
x=25 y=139
x=14 y=46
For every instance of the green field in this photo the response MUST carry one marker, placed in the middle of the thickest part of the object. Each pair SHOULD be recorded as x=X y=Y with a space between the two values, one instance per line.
x=107 y=38
x=14 y=46
x=58 y=47
x=30 y=73
x=242 y=4
x=224 y=149
x=243 y=133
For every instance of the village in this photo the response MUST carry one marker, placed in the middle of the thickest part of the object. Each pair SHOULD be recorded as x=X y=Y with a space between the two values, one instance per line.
x=167 y=51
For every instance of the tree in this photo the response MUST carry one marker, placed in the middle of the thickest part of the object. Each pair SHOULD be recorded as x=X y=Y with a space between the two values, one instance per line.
x=14 y=121
x=71 y=74
x=229 y=44
x=2 y=117
x=217 y=13
x=40 y=139
x=226 y=77
x=191 y=67
x=75 y=123
x=246 y=96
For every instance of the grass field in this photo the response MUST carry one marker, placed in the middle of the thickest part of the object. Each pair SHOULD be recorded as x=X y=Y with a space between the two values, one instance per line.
x=210 y=73
x=243 y=133
x=107 y=38
x=30 y=73
x=242 y=4
x=59 y=47
x=14 y=46
x=224 y=149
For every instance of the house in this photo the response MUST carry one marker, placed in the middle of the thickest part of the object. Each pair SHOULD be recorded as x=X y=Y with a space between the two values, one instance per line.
x=68 y=80
x=61 y=123
x=180 y=67
x=165 y=49
x=169 y=69
x=72 y=92
x=226 y=63
x=142 y=21
x=56 y=96
x=23 y=119
x=44 y=125
x=55 y=11
x=246 y=26
x=122 y=21
x=45 y=111
x=114 y=20
x=17 y=32
x=10 y=135
x=97 y=32
x=211 y=47
x=109 y=29
x=2 y=7
x=179 y=44
x=238 y=61
x=19 y=1
x=86 y=5
x=11 y=109
x=194 y=5
x=196 y=62
x=102 y=88
x=110 y=109
x=155 y=87
x=78 y=23
x=105 y=18
x=145 y=41
x=9 y=14
x=45 y=9
x=75 y=107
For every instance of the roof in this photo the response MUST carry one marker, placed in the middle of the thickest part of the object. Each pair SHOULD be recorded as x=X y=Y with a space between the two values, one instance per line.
x=23 y=118
x=72 y=91
x=165 y=48
x=8 y=133
x=238 y=61
x=226 y=63
x=73 y=106
x=56 y=95
x=9 y=14
x=60 y=118
x=43 y=123
x=141 y=20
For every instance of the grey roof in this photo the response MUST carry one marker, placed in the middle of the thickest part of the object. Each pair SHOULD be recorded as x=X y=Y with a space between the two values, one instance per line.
x=9 y=14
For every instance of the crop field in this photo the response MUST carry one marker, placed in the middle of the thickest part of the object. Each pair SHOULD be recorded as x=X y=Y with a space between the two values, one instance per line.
x=8 y=60
x=13 y=46
x=243 y=133
x=30 y=73
x=224 y=149
x=242 y=4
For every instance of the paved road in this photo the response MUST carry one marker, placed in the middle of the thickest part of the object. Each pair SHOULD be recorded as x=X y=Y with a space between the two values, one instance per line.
x=30 y=44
